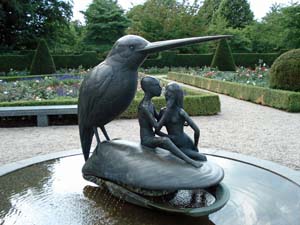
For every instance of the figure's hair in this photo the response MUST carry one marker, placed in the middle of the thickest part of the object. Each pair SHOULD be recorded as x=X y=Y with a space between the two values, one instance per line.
x=177 y=92
x=145 y=82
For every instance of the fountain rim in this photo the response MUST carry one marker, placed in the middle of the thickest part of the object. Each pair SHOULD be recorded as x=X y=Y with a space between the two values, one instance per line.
x=286 y=173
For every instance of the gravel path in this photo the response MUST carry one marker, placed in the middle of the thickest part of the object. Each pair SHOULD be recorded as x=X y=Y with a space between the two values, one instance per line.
x=241 y=127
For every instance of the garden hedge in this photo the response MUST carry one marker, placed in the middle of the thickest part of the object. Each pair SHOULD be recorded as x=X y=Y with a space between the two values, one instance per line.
x=23 y=62
x=223 y=59
x=196 y=104
x=86 y=60
x=286 y=100
x=90 y=59
x=15 y=62
x=42 y=61
x=172 y=59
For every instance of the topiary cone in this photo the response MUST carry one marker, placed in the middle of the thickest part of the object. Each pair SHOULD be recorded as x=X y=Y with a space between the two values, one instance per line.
x=285 y=71
x=42 y=62
x=223 y=57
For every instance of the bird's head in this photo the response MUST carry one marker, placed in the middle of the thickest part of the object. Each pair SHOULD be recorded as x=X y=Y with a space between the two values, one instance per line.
x=132 y=50
x=126 y=50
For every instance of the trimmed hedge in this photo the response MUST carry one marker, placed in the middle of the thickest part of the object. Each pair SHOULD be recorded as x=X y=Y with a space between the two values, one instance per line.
x=23 y=62
x=90 y=59
x=252 y=59
x=171 y=59
x=86 y=60
x=196 y=104
x=42 y=60
x=15 y=62
x=285 y=71
x=286 y=100
x=223 y=59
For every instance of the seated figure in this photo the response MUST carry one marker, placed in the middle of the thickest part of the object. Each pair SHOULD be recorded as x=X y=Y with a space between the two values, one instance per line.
x=148 y=116
x=173 y=117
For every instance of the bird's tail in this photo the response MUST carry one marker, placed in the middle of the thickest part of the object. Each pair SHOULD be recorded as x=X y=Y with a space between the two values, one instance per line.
x=86 y=138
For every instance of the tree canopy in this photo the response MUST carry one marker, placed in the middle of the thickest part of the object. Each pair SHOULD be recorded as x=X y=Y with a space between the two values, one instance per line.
x=237 y=13
x=105 y=22
x=23 y=22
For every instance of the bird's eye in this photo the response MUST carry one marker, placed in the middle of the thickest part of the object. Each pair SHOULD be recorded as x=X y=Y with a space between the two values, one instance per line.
x=131 y=47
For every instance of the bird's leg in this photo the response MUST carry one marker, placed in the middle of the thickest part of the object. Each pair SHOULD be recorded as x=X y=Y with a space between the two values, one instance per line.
x=105 y=133
x=97 y=135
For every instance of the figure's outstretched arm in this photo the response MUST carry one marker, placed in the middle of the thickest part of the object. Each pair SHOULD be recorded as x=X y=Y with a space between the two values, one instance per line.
x=193 y=126
x=152 y=120
x=163 y=115
x=149 y=117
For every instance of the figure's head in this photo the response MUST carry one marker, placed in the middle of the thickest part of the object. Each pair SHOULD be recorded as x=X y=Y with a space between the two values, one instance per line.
x=126 y=50
x=150 y=86
x=174 y=94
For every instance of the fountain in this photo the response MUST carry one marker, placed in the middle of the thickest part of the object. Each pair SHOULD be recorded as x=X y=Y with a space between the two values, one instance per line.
x=165 y=172
x=162 y=180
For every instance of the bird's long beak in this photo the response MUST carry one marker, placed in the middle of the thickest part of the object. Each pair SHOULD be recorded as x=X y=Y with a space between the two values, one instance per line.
x=165 y=45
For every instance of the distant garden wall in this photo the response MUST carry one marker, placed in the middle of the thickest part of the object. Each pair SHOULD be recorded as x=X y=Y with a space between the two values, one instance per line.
x=168 y=58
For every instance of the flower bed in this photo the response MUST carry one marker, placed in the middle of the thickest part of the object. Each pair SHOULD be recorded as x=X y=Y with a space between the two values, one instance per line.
x=60 y=90
x=254 y=77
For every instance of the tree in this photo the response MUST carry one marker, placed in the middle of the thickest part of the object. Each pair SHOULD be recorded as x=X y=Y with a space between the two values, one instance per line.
x=23 y=22
x=105 y=23
x=278 y=30
x=208 y=9
x=291 y=25
x=42 y=62
x=236 y=12
x=158 y=20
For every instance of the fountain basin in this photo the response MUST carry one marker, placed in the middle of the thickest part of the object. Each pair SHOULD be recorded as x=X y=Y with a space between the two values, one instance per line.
x=54 y=192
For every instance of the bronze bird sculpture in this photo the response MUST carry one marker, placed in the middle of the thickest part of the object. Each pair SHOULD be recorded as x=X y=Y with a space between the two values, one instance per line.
x=110 y=87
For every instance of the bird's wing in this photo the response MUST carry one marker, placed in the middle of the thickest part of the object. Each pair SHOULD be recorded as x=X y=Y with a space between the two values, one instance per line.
x=93 y=89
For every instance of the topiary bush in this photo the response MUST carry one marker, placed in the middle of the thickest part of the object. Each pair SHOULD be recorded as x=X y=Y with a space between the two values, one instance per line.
x=223 y=57
x=285 y=71
x=42 y=62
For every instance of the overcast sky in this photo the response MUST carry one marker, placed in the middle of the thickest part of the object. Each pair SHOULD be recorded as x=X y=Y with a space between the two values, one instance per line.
x=259 y=7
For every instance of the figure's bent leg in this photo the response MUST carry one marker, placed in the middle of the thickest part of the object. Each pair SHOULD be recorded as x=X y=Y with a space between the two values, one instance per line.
x=97 y=135
x=167 y=144
x=194 y=155
x=105 y=133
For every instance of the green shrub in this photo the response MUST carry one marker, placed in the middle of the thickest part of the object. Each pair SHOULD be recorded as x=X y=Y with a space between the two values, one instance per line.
x=254 y=59
x=42 y=62
x=90 y=59
x=196 y=104
x=223 y=59
x=285 y=71
x=14 y=62
x=86 y=60
x=171 y=59
x=286 y=100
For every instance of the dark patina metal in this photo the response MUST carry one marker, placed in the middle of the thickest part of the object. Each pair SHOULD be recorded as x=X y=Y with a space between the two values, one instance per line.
x=164 y=163
x=111 y=86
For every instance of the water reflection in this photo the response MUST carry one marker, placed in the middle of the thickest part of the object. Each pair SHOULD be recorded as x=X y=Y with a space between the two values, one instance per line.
x=55 y=193
x=120 y=212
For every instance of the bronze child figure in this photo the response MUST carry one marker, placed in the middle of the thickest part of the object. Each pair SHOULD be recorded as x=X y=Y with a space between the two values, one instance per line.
x=174 y=118
x=148 y=116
